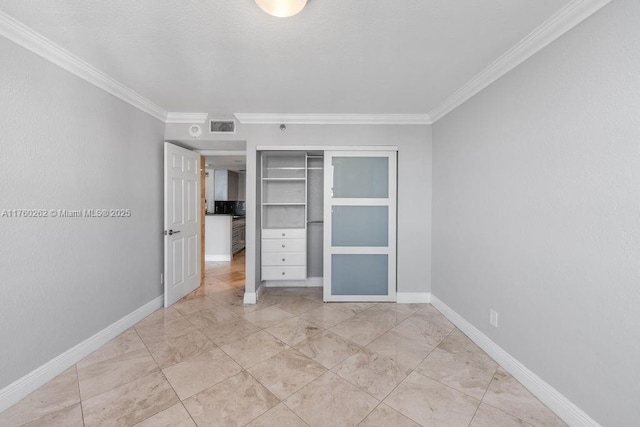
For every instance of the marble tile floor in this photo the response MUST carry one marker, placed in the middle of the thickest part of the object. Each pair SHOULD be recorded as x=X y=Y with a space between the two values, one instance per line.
x=289 y=360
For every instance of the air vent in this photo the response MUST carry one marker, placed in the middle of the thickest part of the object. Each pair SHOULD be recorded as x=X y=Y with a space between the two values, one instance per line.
x=222 y=126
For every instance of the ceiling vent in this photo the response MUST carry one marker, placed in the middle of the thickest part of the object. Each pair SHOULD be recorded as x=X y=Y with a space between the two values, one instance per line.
x=222 y=126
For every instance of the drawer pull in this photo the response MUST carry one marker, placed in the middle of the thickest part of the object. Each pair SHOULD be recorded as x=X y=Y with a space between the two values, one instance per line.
x=283 y=246
x=283 y=273
x=282 y=259
x=283 y=235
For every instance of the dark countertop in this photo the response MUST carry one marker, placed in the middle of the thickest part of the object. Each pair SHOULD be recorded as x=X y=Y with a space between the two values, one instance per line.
x=234 y=216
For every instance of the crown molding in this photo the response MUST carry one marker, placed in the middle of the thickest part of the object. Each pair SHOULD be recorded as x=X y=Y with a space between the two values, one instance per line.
x=562 y=21
x=173 y=117
x=334 y=119
x=24 y=36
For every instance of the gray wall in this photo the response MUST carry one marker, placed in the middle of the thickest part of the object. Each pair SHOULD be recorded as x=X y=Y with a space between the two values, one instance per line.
x=414 y=184
x=67 y=144
x=536 y=213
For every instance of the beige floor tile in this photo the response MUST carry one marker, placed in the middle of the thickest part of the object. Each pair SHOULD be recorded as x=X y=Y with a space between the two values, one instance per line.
x=130 y=403
x=174 y=349
x=254 y=348
x=195 y=374
x=184 y=340
x=487 y=416
x=406 y=351
x=123 y=343
x=299 y=305
x=278 y=416
x=405 y=308
x=421 y=329
x=459 y=363
x=232 y=330
x=227 y=296
x=268 y=317
x=67 y=417
x=507 y=394
x=286 y=372
x=175 y=416
x=360 y=331
x=327 y=348
x=169 y=326
x=384 y=416
x=234 y=402
x=351 y=308
x=160 y=316
x=383 y=314
x=295 y=330
x=211 y=317
x=432 y=315
x=432 y=404
x=377 y=375
x=61 y=392
x=193 y=305
x=111 y=373
x=325 y=316
x=331 y=401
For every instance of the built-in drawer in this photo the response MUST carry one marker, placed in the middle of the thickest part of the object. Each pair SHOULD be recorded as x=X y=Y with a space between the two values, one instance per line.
x=284 y=233
x=284 y=245
x=284 y=273
x=284 y=259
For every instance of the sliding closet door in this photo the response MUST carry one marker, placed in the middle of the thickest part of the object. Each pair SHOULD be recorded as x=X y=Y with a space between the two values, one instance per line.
x=360 y=226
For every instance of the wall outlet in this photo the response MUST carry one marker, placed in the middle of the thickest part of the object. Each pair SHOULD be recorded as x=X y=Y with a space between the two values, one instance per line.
x=493 y=318
x=162 y=278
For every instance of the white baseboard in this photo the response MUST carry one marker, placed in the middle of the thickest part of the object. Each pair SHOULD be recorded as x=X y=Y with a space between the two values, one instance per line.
x=20 y=388
x=551 y=397
x=413 y=297
x=250 y=298
x=310 y=282
x=218 y=257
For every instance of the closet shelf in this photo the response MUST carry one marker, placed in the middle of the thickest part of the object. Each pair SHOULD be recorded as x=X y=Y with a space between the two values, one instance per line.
x=284 y=179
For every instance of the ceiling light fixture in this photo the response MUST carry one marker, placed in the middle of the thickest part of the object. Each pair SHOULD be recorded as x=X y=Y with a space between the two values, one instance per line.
x=282 y=8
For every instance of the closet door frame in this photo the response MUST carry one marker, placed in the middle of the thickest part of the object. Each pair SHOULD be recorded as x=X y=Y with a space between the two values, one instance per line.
x=392 y=224
x=331 y=248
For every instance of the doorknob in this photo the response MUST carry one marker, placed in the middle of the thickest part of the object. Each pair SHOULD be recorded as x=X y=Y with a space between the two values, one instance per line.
x=171 y=232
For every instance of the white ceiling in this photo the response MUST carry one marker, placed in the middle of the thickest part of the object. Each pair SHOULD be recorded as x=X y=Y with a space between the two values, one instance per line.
x=336 y=56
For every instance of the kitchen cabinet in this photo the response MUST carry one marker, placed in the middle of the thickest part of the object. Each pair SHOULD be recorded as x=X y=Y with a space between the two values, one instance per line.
x=226 y=185
x=237 y=235
x=284 y=216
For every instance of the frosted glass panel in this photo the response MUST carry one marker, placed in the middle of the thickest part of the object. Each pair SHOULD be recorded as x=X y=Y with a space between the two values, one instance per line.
x=359 y=274
x=360 y=226
x=360 y=177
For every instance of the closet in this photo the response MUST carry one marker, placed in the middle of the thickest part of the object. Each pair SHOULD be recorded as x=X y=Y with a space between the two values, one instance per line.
x=328 y=218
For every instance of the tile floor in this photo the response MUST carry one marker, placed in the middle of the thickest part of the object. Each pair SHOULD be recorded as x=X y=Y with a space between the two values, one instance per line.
x=290 y=360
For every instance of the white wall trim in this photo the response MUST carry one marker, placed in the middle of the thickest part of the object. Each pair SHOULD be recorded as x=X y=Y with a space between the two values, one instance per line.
x=36 y=43
x=413 y=297
x=334 y=119
x=20 y=388
x=217 y=257
x=310 y=282
x=174 y=117
x=562 y=21
x=551 y=397
x=250 y=298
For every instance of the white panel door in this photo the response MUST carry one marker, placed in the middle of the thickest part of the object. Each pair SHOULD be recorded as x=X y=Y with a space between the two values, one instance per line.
x=360 y=226
x=181 y=222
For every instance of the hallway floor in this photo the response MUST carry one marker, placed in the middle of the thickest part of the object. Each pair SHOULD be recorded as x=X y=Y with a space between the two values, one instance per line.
x=290 y=360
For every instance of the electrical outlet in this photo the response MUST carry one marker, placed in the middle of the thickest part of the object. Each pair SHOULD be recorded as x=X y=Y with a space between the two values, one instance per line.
x=493 y=318
x=162 y=278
